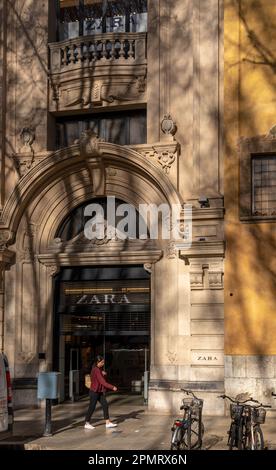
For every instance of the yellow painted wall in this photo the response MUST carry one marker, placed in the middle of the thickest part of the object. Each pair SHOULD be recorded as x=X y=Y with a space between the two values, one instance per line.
x=250 y=110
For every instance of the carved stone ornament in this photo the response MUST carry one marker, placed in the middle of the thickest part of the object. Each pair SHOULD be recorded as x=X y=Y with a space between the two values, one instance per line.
x=5 y=237
x=82 y=96
x=27 y=136
x=171 y=250
x=168 y=125
x=216 y=280
x=53 y=269
x=141 y=84
x=148 y=267
x=85 y=96
x=90 y=143
x=111 y=171
x=131 y=91
x=56 y=91
x=206 y=276
x=165 y=155
x=57 y=242
x=166 y=159
x=172 y=357
x=196 y=280
x=24 y=163
x=81 y=239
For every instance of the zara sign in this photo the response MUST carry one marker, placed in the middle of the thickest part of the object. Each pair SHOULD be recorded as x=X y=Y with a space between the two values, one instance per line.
x=93 y=299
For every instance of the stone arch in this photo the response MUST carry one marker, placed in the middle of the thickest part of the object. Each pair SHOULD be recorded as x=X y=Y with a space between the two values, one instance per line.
x=44 y=196
x=67 y=174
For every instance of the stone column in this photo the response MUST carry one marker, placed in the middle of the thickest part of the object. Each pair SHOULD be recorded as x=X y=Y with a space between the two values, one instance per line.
x=2 y=269
x=170 y=344
x=3 y=67
x=6 y=259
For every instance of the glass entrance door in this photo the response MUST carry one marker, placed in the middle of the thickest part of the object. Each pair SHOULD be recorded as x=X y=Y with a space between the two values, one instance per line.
x=108 y=317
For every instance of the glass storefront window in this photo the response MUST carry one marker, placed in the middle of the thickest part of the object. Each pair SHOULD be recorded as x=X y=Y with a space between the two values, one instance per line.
x=91 y=319
x=87 y=17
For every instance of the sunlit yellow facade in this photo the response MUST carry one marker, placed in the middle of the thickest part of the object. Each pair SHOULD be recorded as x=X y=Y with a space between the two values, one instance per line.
x=249 y=110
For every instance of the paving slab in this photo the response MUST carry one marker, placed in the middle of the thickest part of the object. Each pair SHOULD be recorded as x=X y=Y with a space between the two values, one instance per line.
x=138 y=429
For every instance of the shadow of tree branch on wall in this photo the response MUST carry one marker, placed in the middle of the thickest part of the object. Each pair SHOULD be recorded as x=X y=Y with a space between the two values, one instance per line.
x=250 y=270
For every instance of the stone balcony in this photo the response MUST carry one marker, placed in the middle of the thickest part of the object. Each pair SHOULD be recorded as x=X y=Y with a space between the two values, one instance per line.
x=98 y=70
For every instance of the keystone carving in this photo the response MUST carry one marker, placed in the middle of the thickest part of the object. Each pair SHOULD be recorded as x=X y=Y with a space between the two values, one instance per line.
x=90 y=143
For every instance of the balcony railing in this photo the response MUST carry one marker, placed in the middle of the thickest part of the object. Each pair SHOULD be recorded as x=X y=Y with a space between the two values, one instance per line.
x=99 y=49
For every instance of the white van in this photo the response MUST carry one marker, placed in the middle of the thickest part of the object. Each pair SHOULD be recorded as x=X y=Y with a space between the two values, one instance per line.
x=6 y=411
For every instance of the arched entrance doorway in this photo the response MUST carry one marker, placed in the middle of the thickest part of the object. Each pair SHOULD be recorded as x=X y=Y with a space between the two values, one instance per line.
x=47 y=194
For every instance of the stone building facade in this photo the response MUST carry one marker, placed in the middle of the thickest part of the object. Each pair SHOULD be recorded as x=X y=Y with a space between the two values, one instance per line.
x=150 y=80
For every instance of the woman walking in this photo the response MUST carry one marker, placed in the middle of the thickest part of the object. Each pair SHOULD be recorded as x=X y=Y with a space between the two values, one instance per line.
x=97 y=391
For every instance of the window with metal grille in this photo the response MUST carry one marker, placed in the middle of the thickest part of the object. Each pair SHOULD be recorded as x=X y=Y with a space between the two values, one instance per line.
x=264 y=186
x=124 y=128
x=85 y=17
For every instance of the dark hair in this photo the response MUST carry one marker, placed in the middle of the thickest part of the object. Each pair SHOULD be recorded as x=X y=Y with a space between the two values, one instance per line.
x=97 y=360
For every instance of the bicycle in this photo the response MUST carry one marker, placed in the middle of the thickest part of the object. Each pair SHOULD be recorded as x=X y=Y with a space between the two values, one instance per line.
x=187 y=433
x=245 y=431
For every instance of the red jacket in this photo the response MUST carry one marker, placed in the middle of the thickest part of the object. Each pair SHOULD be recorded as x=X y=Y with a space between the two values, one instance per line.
x=98 y=382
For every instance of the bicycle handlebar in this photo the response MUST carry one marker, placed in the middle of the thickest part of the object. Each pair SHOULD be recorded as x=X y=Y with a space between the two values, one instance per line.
x=236 y=401
x=246 y=401
x=189 y=392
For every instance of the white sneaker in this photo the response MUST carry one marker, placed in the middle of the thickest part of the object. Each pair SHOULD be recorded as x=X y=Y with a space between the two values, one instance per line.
x=111 y=425
x=88 y=426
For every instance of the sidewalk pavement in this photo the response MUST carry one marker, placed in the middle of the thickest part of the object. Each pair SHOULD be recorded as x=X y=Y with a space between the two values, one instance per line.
x=138 y=429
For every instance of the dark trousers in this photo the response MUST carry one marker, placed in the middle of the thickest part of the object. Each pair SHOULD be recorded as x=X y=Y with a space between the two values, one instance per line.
x=94 y=397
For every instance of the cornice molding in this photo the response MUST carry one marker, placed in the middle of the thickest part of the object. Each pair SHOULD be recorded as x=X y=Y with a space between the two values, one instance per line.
x=208 y=213
x=94 y=258
x=203 y=249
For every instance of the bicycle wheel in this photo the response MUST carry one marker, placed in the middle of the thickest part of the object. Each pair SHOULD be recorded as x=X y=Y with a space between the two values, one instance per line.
x=177 y=441
x=240 y=437
x=195 y=441
x=235 y=438
x=258 y=443
x=232 y=436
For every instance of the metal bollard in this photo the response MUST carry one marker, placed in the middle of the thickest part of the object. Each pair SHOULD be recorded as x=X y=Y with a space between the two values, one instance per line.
x=48 y=418
x=146 y=385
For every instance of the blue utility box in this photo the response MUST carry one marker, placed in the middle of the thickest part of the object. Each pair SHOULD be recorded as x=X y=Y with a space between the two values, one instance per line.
x=48 y=385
